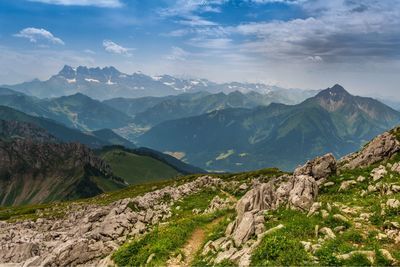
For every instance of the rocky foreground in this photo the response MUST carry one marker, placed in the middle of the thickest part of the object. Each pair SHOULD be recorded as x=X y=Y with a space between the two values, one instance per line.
x=89 y=234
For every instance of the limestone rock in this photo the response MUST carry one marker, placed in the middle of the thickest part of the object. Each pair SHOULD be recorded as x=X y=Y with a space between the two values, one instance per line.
x=346 y=185
x=319 y=168
x=245 y=229
x=393 y=203
x=378 y=173
x=304 y=192
x=380 y=148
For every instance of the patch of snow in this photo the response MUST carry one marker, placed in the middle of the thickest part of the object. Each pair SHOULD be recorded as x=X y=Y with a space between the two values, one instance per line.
x=169 y=84
x=109 y=82
x=71 y=80
x=92 y=80
x=156 y=78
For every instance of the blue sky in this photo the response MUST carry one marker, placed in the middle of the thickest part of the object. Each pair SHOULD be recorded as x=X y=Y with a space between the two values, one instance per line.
x=291 y=43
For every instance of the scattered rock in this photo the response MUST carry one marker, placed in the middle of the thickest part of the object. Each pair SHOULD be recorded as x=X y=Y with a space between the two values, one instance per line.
x=328 y=184
x=370 y=255
x=341 y=218
x=346 y=184
x=328 y=232
x=378 y=173
x=393 y=203
x=314 y=208
x=361 y=178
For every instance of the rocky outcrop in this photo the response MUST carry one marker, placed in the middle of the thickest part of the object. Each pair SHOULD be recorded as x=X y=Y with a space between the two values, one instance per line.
x=380 y=148
x=297 y=191
x=318 y=168
x=90 y=233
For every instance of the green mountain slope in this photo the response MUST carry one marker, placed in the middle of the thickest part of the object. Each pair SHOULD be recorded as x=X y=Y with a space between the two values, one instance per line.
x=143 y=165
x=61 y=132
x=76 y=111
x=277 y=135
x=136 y=169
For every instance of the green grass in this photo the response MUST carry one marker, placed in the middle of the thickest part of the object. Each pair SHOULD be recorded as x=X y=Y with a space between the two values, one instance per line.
x=165 y=240
x=136 y=169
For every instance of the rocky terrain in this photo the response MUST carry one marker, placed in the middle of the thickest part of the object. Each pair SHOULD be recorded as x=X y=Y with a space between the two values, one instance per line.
x=327 y=212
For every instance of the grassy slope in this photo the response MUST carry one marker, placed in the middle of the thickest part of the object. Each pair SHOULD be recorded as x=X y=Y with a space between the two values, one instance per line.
x=299 y=227
x=137 y=169
x=166 y=240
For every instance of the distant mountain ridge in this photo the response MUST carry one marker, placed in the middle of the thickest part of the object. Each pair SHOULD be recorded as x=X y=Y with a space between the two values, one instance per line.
x=108 y=82
x=276 y=135
x=58 y=130
x=76 y=111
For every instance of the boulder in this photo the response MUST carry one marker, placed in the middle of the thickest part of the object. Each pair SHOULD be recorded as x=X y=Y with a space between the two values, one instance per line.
x=303 y=193
x=245 y=229
x=319 y=168
x=346 y=185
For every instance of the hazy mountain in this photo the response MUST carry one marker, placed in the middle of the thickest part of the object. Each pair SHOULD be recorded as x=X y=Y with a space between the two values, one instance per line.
x=108 y=82
x=133 y=106
x=276 y=135
x=76 y=111
x=111 y=137
x=150 y=111
x=55 y=129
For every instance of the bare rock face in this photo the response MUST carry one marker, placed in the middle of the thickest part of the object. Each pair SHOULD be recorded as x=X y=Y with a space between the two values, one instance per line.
x=303 y=193
x=382 y=147
x=318 y=168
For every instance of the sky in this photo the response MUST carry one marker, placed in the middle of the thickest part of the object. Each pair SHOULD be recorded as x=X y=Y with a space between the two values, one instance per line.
x=309 y=44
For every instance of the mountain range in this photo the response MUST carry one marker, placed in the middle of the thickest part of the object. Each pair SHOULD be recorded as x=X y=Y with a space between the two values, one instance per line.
x=279 y=135
x=108 y=82
x=76 y=111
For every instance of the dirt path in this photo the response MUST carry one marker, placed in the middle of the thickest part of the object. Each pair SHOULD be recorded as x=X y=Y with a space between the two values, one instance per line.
x=193 y=245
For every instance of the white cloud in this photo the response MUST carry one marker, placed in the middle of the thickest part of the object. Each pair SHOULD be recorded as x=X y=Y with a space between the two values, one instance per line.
x=98 y=3
x=177 y=54
x=193 y=20
x=315 y=59
x=114 y=48
x=211 y=43
x=89 y=51
x=35 y=34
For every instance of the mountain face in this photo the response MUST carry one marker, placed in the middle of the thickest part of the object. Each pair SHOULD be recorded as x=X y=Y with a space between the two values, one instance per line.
x=143 y=165
x=35 y=172
x=277 y=135
x=76 y=111
x=59 y=131
x=108 y=82
x=21 y=130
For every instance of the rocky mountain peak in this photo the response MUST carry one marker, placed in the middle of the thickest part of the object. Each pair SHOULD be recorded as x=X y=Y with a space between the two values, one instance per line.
x=335 y=92
x=68 y=72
